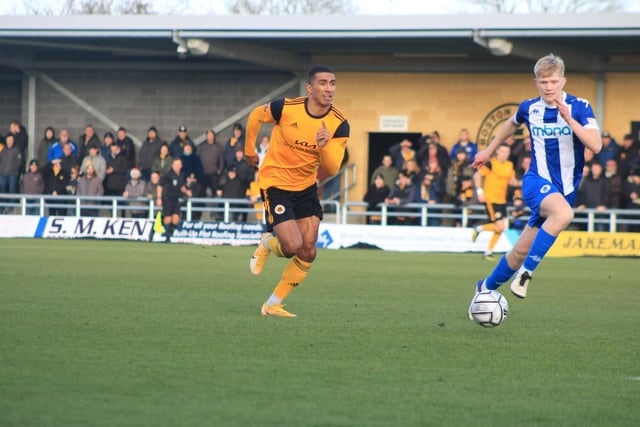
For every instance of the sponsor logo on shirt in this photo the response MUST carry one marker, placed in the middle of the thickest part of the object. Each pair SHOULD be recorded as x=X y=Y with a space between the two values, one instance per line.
x=549 y=131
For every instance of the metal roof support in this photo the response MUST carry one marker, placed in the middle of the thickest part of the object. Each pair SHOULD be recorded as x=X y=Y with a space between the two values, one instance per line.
x=84 y=105
x=601 y=95
x=31 y=112
x=239 y=115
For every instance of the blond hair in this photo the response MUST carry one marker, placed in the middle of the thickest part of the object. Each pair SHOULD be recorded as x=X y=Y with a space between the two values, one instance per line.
x=548 y=65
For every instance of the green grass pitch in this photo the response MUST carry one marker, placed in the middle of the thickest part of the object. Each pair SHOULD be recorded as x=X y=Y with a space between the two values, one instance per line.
x=99 y=333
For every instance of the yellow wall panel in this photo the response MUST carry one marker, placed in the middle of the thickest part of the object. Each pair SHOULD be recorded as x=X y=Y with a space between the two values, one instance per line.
x=450 y=102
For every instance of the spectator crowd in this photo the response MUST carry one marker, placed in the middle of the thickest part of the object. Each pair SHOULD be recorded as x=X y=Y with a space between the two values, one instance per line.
x=112 y=165
x=425 y=171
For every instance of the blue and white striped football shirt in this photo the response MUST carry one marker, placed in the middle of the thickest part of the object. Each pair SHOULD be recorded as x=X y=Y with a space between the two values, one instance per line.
x=557 y=155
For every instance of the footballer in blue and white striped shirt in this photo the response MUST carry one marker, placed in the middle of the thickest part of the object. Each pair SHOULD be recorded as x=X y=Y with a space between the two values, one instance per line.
x=560 y=126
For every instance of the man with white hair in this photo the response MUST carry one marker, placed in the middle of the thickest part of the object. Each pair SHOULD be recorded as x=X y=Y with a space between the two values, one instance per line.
x=135 y=190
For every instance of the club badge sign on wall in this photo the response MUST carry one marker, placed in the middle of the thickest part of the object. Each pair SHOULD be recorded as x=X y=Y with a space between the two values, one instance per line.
x=492 y=122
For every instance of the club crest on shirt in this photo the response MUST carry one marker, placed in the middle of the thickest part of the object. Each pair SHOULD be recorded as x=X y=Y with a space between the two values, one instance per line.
x=492 y=122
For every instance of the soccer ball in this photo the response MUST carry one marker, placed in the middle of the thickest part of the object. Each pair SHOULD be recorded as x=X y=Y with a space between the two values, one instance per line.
x=489 y=308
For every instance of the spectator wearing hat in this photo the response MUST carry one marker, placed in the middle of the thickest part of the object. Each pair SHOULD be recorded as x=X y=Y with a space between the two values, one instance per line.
x=127 y=148
x=609 y=149
x=236 y=139
x=48 y=139
x=135 y=189
x=211 y=155
x=56 y=150
x=628 y=156
x=87 y=139
x=95 y=159
x=149 y=152
x=32 y=183
x=401 y=152
x=177 y=145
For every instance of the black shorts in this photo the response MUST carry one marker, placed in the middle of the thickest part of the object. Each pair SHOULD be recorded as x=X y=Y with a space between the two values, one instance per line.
x=170 y=207
x=282 y=205
x=496 y=211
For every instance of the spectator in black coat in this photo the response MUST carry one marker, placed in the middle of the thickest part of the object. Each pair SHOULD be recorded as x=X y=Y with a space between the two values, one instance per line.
x=55 y=179
x=234 y=188
x=191 y=162
x=127 y=148
x=594 y=192
x=117 y=172
x=149 y=152
x=21 y=140
x=88 y=138
x=376 y=194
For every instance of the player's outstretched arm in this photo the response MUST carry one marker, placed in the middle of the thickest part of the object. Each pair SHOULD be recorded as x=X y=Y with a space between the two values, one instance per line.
x=506 y=130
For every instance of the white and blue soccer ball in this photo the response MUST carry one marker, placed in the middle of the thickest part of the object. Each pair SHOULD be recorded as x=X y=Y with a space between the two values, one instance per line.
x=489 y=308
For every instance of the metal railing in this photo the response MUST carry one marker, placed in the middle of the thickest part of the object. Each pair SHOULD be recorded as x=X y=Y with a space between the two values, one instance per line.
x=218 y=209
x=227 y=210
x=442 y=214
x=347 y=176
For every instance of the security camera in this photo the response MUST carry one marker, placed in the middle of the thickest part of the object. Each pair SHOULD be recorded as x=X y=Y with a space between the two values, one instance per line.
x=182 y=51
